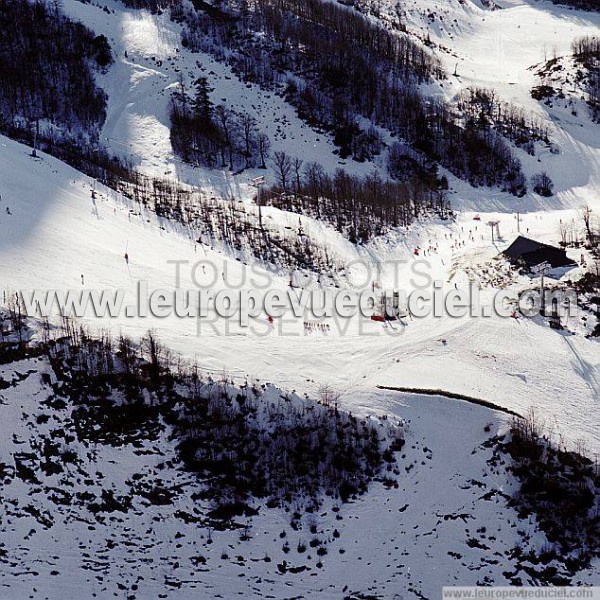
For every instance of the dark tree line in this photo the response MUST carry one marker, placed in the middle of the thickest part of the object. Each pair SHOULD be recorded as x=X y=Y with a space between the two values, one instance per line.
x=471 y=150
x=46 y=70
x=245 y=442
x=562 y=489
x=151 y=5
x=321 y=43
x=586 y=51
x=227 y=224
x=591 y=5
x=484 y=109
x=283 y=451
x=210 y=135
x=586 y=46
x=358 y=207
x=230 y=225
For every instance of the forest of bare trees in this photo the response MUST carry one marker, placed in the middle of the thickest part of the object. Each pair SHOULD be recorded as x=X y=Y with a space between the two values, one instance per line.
x=586 y=51
x=318 y=41
x=306 y=48
x=247 y=443
x=484 y=108
x=209 y=135
x=44 y=59
x=229 y=225
x=581 y=4
x=358 y=207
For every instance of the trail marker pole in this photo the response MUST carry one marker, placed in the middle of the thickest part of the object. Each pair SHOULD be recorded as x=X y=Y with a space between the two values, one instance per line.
x=542 y=269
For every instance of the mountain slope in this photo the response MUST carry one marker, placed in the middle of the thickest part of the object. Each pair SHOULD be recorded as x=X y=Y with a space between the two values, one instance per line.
x=91 y=528
x=72 y=234
x=95 y=515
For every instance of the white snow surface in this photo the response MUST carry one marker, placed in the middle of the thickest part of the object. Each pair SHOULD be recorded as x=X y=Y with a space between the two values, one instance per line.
x=56 y=233
x=446 y=524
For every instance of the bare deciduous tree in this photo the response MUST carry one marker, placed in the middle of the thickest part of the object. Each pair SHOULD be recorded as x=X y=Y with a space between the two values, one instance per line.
x=282 y=165
x=264 y=146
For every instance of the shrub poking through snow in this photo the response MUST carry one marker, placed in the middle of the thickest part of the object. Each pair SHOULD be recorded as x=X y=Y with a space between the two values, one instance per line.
x=562 y=489
x=245 y=442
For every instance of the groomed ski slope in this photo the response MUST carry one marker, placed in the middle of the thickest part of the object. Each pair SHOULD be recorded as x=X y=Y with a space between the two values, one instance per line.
x=57 y=232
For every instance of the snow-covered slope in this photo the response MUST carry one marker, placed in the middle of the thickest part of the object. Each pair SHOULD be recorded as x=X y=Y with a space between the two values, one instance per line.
x=89 y=529
x=57 y=232
x=54 y=234
x=498 y=48
x=479 y=46
x=149 y=62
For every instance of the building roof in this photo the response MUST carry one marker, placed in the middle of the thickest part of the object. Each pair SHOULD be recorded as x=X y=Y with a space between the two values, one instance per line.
x=532 y=252
x=523 y=245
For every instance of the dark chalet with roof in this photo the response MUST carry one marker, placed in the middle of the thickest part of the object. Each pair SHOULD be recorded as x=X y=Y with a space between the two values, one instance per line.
x=529 y=253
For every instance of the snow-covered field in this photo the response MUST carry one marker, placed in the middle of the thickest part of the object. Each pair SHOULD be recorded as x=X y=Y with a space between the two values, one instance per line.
x=513 y=363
